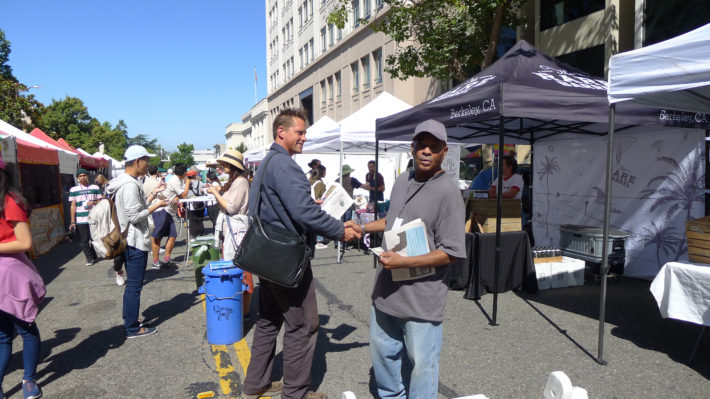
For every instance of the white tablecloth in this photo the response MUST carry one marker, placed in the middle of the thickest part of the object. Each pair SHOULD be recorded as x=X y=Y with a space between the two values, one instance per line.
x=682 y=291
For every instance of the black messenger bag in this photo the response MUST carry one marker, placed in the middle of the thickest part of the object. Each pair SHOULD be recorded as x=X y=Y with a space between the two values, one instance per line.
x=272 y=252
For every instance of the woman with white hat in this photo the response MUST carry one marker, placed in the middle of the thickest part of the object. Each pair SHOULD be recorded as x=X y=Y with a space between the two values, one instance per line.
x=233 y=199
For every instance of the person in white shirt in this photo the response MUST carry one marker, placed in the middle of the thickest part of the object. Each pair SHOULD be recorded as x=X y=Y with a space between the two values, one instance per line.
x=164 y=219
x=512 y=182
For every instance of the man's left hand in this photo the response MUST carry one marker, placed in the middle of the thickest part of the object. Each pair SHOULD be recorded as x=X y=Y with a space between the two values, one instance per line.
x=392 y=260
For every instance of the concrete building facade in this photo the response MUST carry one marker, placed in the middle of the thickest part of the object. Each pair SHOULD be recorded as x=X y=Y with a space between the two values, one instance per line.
x=253 y=131
x=331 y=71
x=586 y=33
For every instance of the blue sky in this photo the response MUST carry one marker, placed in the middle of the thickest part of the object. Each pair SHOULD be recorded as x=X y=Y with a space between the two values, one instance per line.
x=179 y=71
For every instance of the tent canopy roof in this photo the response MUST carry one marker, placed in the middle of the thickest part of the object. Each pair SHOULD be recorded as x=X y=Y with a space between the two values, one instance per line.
x=673 y=72
x=535 y=96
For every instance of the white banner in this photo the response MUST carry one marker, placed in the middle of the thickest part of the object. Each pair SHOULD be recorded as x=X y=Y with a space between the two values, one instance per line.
x=658 y=184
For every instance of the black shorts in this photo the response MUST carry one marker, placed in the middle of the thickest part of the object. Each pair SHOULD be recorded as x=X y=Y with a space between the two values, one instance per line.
x=164 y=225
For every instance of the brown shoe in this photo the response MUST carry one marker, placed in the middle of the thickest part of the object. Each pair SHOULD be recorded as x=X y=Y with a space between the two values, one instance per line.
x=274 y=388
x=316 y=395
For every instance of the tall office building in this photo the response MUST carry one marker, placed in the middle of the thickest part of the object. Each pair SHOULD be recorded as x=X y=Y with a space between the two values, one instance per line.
x=326 y=70
x=585 y=33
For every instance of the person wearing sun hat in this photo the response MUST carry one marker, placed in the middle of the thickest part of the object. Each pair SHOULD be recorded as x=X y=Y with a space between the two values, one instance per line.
x=195 y=210
x=233 y=201
x=83 y=197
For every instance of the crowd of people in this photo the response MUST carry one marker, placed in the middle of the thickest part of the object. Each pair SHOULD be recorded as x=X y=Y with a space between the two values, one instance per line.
x=406 y=314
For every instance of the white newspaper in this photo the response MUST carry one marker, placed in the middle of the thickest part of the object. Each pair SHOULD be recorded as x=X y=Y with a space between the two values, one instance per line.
x=408 y=240
x=336 y=201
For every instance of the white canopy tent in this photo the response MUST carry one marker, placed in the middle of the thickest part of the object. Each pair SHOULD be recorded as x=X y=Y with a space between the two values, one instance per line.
x=256 y=155
x=674 y=73
x=356 y=132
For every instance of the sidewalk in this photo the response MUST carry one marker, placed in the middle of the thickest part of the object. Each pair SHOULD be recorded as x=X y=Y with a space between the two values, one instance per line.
x=86 y=355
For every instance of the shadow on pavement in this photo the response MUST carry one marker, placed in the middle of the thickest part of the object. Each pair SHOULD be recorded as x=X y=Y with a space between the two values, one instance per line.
x=51 y=264
x=156 y=314
x=81 y=356
x=634 y=315
x=325 y=344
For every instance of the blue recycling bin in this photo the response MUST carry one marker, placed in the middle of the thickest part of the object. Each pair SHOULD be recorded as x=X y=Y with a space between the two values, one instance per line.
x=223 y=302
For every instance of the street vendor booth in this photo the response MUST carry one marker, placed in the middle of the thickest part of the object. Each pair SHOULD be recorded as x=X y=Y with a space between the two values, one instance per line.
x=527 y=97
x=674 y=73
x=35 y=171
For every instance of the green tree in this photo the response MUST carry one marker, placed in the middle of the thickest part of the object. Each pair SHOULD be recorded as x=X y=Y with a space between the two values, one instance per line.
x=183 y=155
x=17 y=109
x=443 y=39
x=67 y=118
x=5 y=68
x=242 y=148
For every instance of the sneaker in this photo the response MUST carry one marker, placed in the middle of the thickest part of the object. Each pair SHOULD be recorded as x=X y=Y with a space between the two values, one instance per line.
x=90 y=262
x=162 y=250
x=167 y=261
x=120 y=280
x=30 y=390
x=156 y=265
x=274 y=388
x=142 y=332
x=320 y=245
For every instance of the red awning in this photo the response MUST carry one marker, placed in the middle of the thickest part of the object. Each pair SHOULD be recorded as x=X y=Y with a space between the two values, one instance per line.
x=85 y=161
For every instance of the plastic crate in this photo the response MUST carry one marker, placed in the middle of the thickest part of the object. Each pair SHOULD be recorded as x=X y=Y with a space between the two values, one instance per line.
x=584 y=242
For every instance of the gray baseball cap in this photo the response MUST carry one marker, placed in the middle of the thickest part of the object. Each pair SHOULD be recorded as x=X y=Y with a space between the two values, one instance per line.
x=435 y=128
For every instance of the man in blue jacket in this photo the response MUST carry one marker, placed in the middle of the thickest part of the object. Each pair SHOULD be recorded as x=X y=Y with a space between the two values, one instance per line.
x=286 y=202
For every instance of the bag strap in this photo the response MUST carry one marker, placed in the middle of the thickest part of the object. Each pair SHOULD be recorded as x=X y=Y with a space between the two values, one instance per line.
x=114 y=218
x=231 y=232
x=259 y=187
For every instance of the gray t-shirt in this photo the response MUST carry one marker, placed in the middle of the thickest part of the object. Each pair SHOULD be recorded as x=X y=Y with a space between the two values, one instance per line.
x=440 y=206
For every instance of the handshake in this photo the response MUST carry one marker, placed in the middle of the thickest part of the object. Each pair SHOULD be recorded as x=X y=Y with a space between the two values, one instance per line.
x=352 y=232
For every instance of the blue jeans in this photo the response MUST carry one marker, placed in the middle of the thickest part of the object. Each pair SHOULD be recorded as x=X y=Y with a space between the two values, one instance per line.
x=30 y=345
x=390 y=338
x=136 y=261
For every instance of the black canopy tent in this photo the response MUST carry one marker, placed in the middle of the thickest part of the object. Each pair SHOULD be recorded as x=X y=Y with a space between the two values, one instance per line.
x=524 y=97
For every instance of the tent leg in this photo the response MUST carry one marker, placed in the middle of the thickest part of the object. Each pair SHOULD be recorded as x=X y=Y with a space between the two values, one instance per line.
x=339 y=256
x=605 y=235
x=499 y=210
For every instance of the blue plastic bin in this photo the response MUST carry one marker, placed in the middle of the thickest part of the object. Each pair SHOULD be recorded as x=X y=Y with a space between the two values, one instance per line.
x=223 y=302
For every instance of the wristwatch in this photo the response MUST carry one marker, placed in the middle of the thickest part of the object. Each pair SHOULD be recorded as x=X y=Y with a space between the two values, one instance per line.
x=362 y=228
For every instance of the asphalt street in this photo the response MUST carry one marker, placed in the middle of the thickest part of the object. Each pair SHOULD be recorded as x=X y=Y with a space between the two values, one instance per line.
x=85 y=353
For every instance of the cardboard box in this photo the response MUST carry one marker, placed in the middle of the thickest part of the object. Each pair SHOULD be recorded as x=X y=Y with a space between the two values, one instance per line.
x=485 y=213
x=542 y=272
x=697 y=232
x=558 y=275
x=575 y=273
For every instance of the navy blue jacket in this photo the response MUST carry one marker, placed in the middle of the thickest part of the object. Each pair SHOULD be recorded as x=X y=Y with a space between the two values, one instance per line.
x=286 y=199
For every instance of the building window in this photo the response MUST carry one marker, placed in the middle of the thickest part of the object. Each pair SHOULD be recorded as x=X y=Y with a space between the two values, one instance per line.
x=310 y=8
x=356 y=77
x=378 y=3
x=300 y=17
x=322 y=92
x=356 y=12
x=556 y=12
x=305 y=54
x=663 y=20
x=377 y=59
x=589 y=60
x=293 y=67
x=322 y=40
x=290 y=27
x=330 y=89
x=365 y=61
x=338 y=86
x=367 y=9
x=300 y=57
x=313 y=49
x=331 y=35
x=340 y=34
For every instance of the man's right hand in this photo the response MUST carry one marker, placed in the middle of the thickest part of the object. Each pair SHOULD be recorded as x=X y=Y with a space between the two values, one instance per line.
x=350 y=234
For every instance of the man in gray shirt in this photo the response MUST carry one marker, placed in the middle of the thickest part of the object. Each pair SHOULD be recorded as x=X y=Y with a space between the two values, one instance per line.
x=407 y=313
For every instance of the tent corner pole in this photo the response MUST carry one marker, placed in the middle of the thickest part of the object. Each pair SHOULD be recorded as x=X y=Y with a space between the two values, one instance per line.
x=339 y=256
x=377 y=164
x=605 y=235
x=499 y=210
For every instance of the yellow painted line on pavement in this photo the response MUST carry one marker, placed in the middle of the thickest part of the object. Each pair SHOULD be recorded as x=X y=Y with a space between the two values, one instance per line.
x=224 y=368
x=243 y=353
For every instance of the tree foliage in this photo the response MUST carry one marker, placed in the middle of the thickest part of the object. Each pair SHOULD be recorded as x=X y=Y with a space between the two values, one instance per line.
x=242 y=148
x=443 y=39
x=16 y=108
x=183 y=155
x=5 y=68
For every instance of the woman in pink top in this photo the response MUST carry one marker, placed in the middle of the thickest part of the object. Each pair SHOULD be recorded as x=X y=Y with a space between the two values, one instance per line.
x=21 y=287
